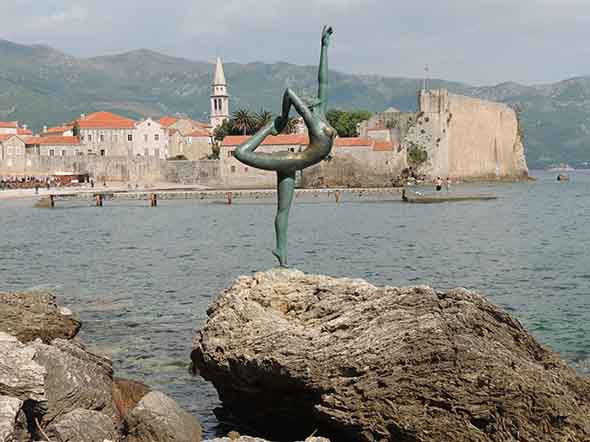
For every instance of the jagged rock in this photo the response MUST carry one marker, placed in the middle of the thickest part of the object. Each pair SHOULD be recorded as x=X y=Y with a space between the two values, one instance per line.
x=127 y=394
x=32 y=315
x=82 y=426
x=9 y=410
x=20 y=375
x=157 y=418
x=76 y=378
x=295 y=352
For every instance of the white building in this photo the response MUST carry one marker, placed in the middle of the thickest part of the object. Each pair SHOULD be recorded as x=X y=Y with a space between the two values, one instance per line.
x=150 y=139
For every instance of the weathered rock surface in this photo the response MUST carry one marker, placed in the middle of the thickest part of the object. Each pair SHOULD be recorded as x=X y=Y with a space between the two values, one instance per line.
x=21 y=376
x=33 y=315
x=157 y=418
x=9 y=410
x=83 y=426
x=290 y=352
x=75 y=379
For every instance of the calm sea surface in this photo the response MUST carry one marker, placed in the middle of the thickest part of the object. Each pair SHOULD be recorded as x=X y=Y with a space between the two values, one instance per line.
x=142 y=278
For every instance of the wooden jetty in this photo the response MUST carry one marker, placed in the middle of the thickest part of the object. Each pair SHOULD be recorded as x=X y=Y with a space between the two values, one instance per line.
x=444 y=197
x=153 y=196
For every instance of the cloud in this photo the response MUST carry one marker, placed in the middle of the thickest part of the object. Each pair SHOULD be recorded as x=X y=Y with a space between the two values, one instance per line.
x=478 y=41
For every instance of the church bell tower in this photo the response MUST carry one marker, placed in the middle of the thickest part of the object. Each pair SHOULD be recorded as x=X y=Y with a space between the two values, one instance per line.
x=219 y=97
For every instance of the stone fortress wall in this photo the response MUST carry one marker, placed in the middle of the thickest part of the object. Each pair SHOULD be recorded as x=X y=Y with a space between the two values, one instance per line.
x=464 y=138
x=119 y=169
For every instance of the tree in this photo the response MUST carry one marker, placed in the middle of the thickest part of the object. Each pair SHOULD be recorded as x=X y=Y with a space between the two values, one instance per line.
x=223 y=131
x=262 y=118
x=346 y=122
x=244 y=121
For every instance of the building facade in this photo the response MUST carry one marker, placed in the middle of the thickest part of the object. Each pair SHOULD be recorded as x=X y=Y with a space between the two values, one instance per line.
x=150 y=139
x=12 y=148
x=105 y=134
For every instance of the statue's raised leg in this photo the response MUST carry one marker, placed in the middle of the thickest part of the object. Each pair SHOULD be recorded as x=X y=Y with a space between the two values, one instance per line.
x=245 y=151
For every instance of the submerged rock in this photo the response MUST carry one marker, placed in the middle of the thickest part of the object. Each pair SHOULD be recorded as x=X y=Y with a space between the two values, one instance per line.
x=290 y=352
x=36 y=315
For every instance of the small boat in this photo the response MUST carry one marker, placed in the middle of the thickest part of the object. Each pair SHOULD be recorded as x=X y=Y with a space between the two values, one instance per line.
x=563 y=177
x=444 y=197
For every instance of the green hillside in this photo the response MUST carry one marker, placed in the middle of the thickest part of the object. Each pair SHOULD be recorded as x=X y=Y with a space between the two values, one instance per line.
x=40 y=85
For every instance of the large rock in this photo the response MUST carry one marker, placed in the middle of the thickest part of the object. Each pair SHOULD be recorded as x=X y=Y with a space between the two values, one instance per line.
x=20 y=375
x=157 y=418
x=9 y=411
x=294 y=352
x=127 y=394
x=83 y=426
x=75 y=379
x=32 y=315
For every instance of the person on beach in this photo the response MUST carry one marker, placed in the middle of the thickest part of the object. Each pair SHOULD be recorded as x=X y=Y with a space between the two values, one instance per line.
x=448 y=184
x=438 y=184
x=286 y=164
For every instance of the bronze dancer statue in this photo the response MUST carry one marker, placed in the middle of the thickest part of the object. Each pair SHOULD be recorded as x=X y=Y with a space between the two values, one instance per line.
x=285 y=164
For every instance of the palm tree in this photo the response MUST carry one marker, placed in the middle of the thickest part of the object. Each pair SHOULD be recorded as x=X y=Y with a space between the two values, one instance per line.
x=243 y=120
x=262 y=118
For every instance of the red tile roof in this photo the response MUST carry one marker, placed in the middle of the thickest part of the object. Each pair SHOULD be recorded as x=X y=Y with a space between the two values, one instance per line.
x=278 y=140
x=199 y=133
x=53 y=140
x=9 y=124
x=21 y=131
x=105 y=120
x=383 y=146
x=354 y=142
x=58 y=129
x=4 y=137
x=168 y=121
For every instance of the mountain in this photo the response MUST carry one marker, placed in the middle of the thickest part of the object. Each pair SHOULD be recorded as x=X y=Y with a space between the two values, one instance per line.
x=43 y=86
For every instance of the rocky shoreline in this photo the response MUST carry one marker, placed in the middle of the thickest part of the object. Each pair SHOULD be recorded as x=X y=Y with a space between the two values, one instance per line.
x=53 y=389
x=291 y=353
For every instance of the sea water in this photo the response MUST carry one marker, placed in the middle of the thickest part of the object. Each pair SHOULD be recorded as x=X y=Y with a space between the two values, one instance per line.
x=141 y=278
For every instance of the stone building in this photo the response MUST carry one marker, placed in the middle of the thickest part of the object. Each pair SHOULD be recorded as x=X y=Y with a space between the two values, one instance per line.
x=219 y=97
x=455 y=136
x=54 y=146
x=353 y=162
x=8 y=127
x=188 y=138
x=61 y=131
x=150 y=139
x=12 y=149
x=12 y=127
x=105 y=134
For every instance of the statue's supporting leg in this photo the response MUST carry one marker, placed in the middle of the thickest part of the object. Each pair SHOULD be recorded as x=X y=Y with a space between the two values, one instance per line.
x=286 y=189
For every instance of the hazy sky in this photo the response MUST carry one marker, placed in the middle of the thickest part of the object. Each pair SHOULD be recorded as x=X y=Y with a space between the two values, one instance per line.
x=476 y=41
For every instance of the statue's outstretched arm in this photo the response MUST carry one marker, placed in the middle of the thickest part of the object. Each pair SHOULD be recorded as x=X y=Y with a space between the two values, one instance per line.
x=323 y=70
